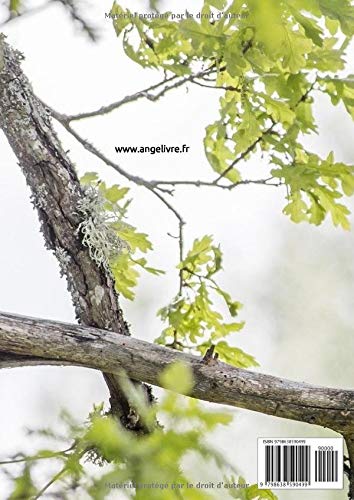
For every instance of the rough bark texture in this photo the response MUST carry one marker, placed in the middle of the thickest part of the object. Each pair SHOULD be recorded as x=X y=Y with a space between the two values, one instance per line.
x=49 y=342
x=56 y=193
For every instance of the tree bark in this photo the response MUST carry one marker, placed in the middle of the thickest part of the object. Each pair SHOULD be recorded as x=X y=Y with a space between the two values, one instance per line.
x=349 y=439
x=56 y=193
x=50 y=342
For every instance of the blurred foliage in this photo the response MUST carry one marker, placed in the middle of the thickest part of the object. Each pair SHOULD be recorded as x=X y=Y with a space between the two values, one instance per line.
x=154 y=4
x=17 y=8
x=125 y=460
x=14 y=6
x=268 y=58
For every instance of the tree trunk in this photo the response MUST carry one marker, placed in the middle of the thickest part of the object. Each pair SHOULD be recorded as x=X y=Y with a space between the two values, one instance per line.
x=56 y=193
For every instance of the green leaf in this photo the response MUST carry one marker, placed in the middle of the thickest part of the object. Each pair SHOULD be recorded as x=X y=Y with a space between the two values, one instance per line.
x=199 y=255
x=338 y=212
x=121 y=18
x=125 y=275
x=234 y=356
x=296 y=208
x=317 y=212
x=218 y=4
x=341 y=11
x=135 y=240
x=89 y=178
x=233 y=306
x=142 y=263
x=280 y=111
x=115 y=193
x=14 y=5
x=348 y=184
x=311 y=28
x=298 y=46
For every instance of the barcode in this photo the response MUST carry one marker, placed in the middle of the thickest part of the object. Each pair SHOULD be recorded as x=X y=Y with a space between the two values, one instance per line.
x=287 y=463
x=308 y=463
x=326 y=466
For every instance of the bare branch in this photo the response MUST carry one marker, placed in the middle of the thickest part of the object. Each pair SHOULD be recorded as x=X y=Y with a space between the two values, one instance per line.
x=152 y=93
x=229 y=187
x=148 y=93
x=215 y=382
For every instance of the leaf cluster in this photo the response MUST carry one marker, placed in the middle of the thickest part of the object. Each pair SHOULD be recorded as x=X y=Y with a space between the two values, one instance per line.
x=267 y=59
x=193 y=323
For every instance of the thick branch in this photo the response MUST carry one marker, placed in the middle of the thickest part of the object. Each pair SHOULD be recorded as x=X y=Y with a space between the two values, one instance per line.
x=59 y=343
x=56 y=193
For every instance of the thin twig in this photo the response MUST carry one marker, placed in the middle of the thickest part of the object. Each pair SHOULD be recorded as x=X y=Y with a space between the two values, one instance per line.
x=146 y=93
x=63 y=120
x=55 y=454
x=52 y=481
x=103 y=110
x=216 y=87
x=139 y=181
x=229 y=187
x=244 y=154
x=181 y=256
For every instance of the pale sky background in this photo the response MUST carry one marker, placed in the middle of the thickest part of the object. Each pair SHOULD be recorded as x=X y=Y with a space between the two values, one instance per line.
x=296 y=281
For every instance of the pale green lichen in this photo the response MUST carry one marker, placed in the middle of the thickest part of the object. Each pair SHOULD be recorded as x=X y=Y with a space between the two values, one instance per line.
x=96 y=229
